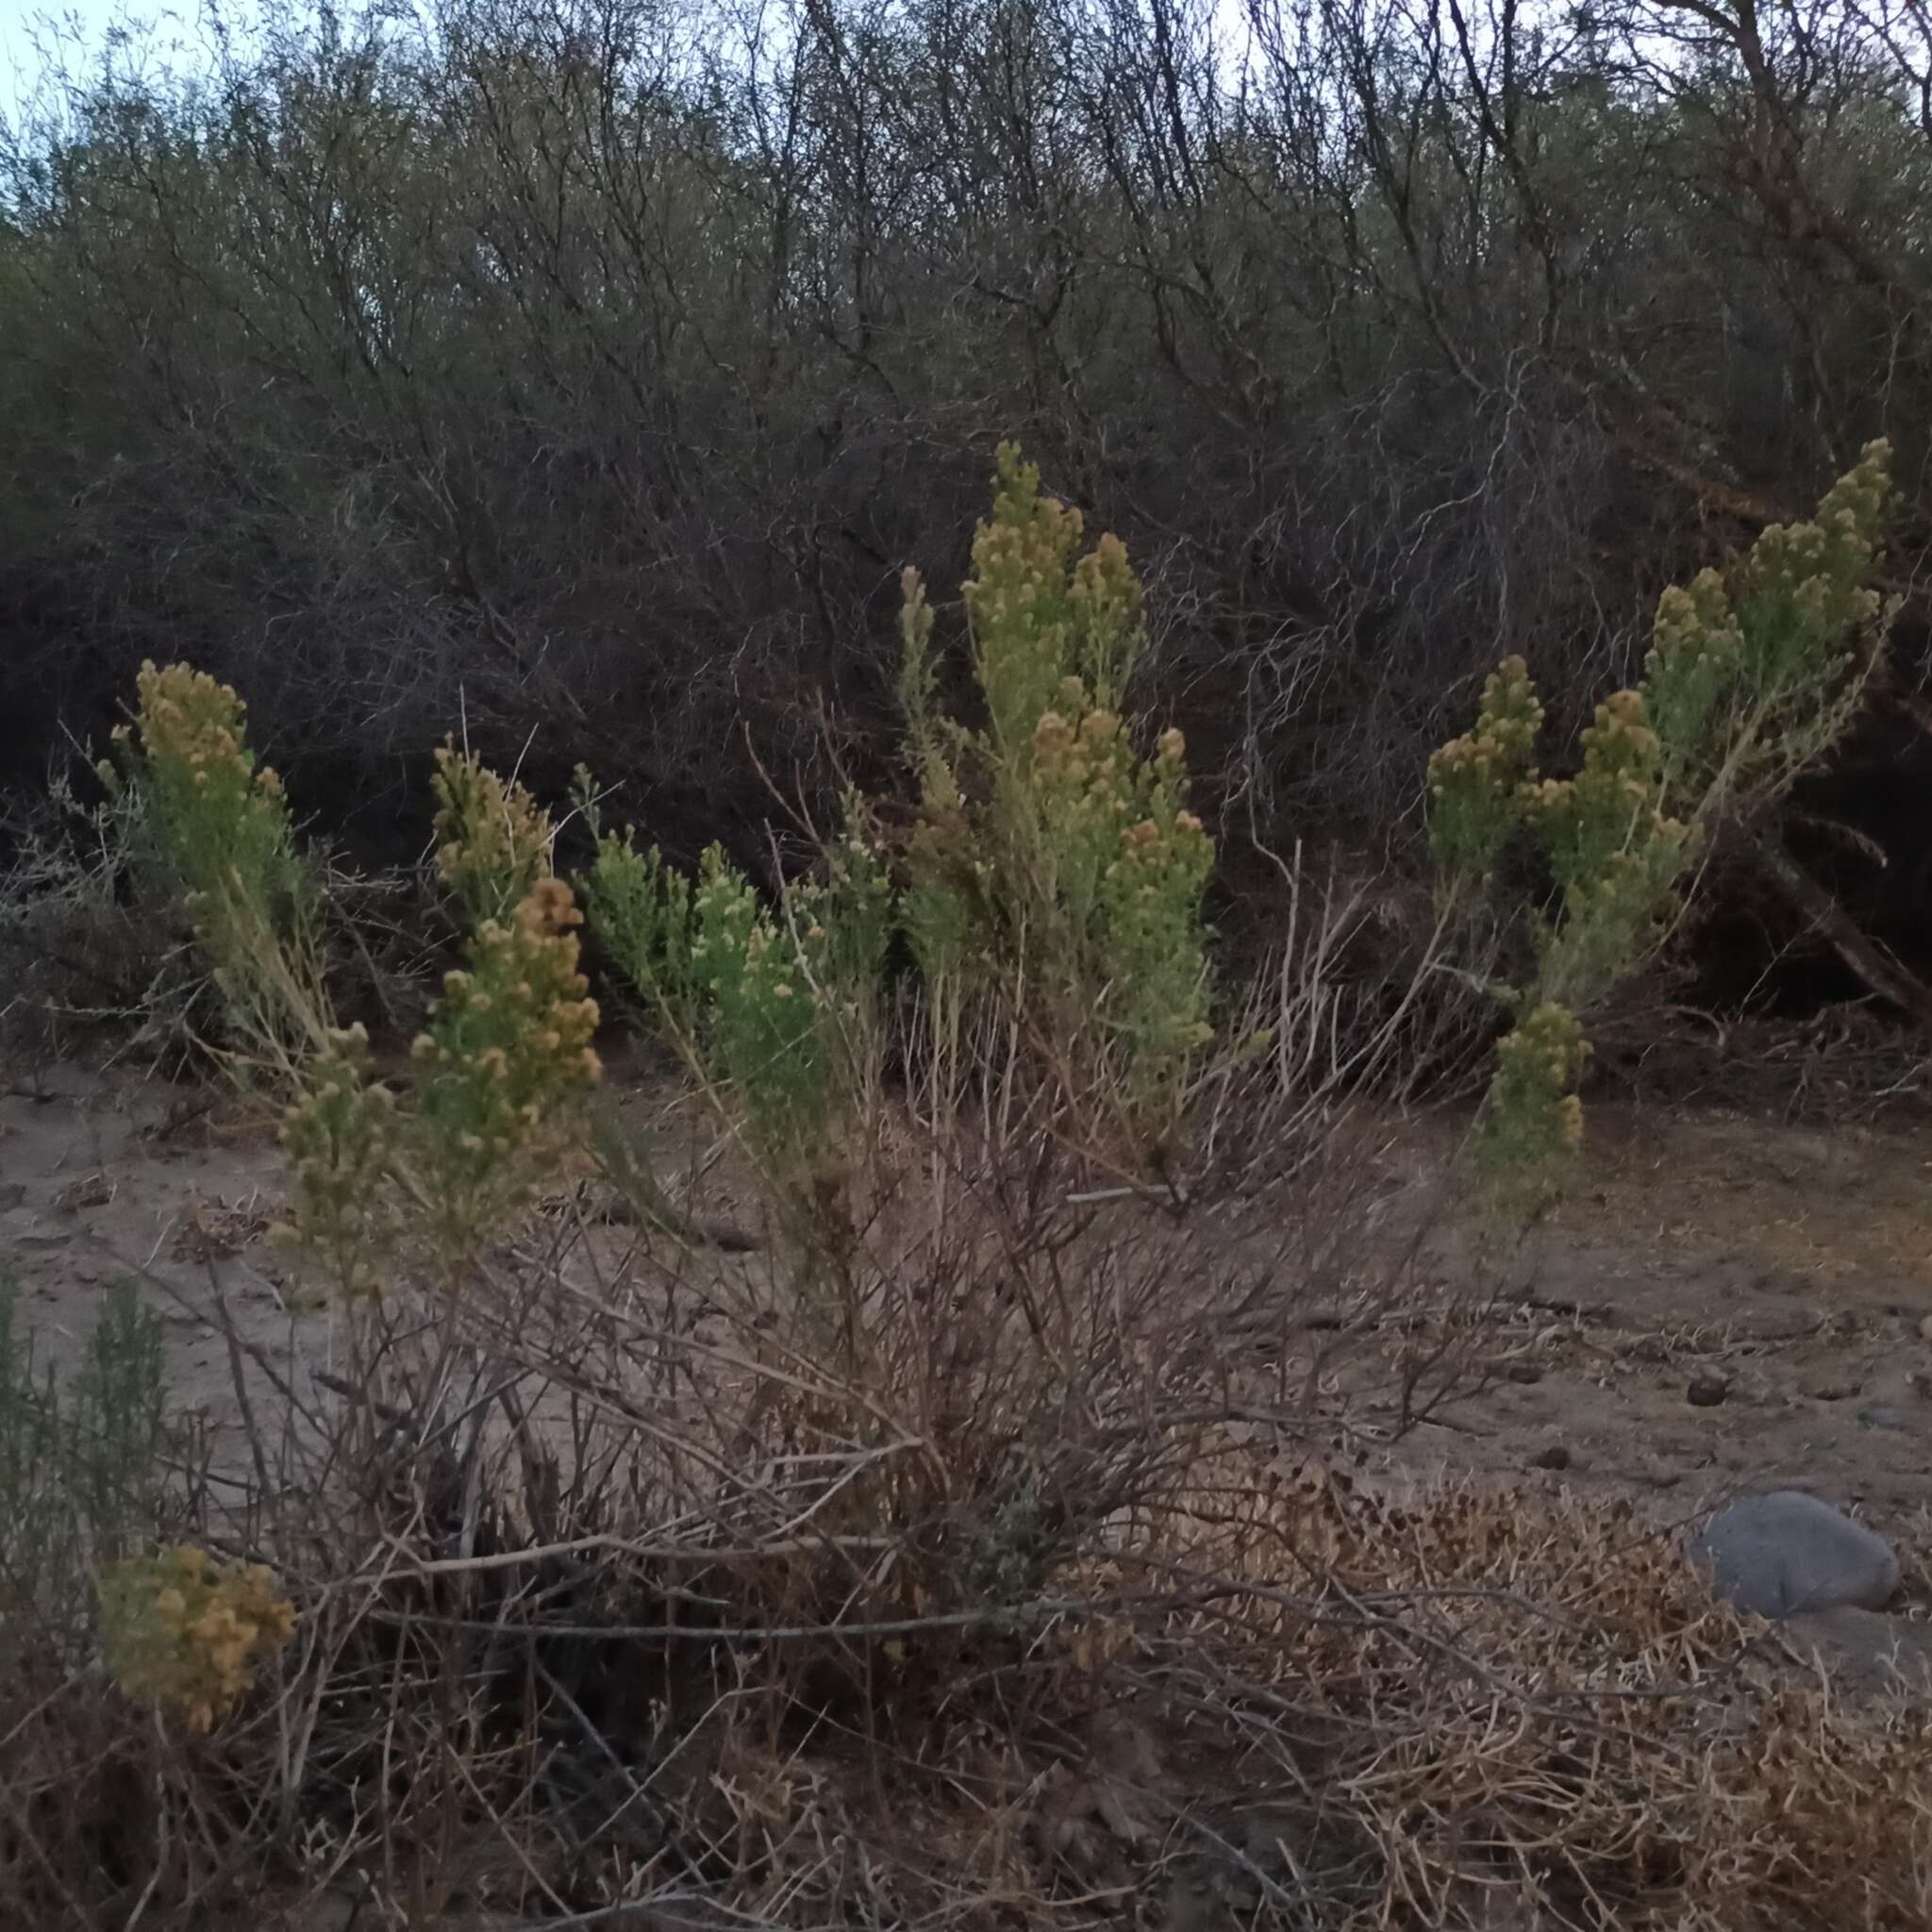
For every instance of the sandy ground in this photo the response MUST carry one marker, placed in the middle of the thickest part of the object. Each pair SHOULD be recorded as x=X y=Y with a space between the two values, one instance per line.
x=1724 y=1300
x=1720 y=1300
x=103 y=1178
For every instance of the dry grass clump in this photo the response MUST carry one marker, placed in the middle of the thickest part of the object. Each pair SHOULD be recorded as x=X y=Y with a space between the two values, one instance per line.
x=1507 y=1696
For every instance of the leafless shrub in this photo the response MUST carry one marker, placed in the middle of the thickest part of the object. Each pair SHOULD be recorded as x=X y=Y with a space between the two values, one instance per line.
x=555 y=351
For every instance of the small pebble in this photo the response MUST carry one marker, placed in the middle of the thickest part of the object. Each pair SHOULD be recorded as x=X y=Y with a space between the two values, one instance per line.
x=1706 y=1392
x=1925 y=1329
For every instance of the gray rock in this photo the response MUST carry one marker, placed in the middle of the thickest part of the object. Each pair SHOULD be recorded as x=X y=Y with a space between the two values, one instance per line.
x=1786 y=1552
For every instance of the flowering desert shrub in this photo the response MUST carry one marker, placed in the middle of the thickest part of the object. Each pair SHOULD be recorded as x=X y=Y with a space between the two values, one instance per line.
x=994 y=1460
x=1052 y=878
x=508 y=1047
x=1752 y=676
x=1055 y=870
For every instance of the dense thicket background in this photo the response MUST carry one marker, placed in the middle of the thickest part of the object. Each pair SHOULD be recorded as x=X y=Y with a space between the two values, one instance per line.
x=588 y=370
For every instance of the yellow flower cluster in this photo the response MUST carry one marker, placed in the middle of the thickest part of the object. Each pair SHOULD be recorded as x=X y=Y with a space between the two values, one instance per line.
x=1121 y=839
x=493 y=839
x=1093 y=754
x=1695 y=625
x=1105 y=597
x=1749 y=678
x=1021 y=551
x=187 y=1632
x=1505 y=735
x=1051 y=825
x=1614 y=850
x=223 y=821
x=1530 y=1111
x=1476 y=781
x=1090 y=771
x=220 y=824
x=1037 y=616
x=523 y=985
x=188 y=719
x=510 y=1042
x=340 y=1136
x=1820 y=565
x=1615 y=793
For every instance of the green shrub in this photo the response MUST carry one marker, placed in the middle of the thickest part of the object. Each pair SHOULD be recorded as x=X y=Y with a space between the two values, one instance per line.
x=1050 y=888
x=1053 y=879
x=83 y=1460
x=1752 y=677
x=720 y=975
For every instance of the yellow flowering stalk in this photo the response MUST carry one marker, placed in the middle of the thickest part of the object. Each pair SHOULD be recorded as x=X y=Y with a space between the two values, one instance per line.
x=221 y=824
x=1126 y=863
x=1052 y=862
x=1476 y=781
x=1692 y=670
x=341 y=1135
x=219 y=811
x=493 y=839
x=1530 y=1113
x=1612 y=849
x=1750 y=678
x=187 y=1633
x=1039 y=616
x=507 y=1052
